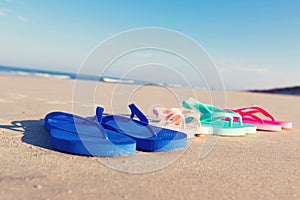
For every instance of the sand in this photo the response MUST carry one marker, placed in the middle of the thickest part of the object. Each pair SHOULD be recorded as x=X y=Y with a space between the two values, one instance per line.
x=262 y=166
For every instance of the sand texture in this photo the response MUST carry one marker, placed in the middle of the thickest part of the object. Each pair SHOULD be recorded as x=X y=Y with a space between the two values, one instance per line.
x=261 y=166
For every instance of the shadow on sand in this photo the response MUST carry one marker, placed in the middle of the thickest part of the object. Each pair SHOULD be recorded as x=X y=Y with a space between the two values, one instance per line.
x=33 y=130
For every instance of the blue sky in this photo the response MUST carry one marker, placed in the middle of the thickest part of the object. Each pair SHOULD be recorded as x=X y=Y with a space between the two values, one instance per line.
x=255 y=44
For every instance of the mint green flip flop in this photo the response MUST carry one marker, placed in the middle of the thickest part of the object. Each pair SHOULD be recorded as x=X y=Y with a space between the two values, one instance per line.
x=214 y=117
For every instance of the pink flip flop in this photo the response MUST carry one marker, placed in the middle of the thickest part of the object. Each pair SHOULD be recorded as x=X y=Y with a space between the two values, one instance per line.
x=269 y=124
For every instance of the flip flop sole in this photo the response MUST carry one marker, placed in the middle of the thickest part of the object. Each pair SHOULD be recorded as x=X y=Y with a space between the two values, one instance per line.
x=189 y=131
x=70 y=134
x=68 y=142
x=269 y=127
x=223 y=128
x=229 y=131
x=161 y=146
x=265 y=126
x=165 y=139
x=250 y=129
x=286 y=125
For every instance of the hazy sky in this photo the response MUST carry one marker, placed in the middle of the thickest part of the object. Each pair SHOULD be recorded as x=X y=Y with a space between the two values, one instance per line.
x=254 y=43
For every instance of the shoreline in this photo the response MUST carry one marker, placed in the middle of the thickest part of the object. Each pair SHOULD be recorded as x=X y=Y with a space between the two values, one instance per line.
x=29 y=72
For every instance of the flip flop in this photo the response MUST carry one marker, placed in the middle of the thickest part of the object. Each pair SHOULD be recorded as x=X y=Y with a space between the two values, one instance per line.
x=214 y=117
x=183 y=120
x=148 y=137
x=77 y=135
x=249 y=115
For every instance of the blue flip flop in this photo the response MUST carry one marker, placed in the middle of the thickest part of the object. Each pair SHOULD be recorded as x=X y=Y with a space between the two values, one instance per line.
x=148 y=137
x=77 y=135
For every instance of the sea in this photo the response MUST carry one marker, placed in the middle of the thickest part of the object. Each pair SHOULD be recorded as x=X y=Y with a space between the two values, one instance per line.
x=19 y=71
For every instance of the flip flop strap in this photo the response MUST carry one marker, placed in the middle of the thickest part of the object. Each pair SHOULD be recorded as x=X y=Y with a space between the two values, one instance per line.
x=247 y=115
x=166 y=119
x=217 y=116
x=196 y=105
x=211 y=113
x=201 y=107
x=196 y=118
x=136 y=112
x=254 y=109
x=166 y=114
x=253 y=117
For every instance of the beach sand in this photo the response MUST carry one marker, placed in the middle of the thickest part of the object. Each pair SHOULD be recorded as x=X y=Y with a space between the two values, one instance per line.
x=261 y=166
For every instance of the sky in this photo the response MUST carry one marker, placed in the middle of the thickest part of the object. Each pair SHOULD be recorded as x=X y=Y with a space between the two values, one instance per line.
x=254 y=44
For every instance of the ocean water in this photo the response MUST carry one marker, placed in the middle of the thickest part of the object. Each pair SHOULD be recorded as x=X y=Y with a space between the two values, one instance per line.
x=18 y=71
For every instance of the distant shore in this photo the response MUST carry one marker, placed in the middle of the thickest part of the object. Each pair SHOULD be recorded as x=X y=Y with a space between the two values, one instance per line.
x=287 y=90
